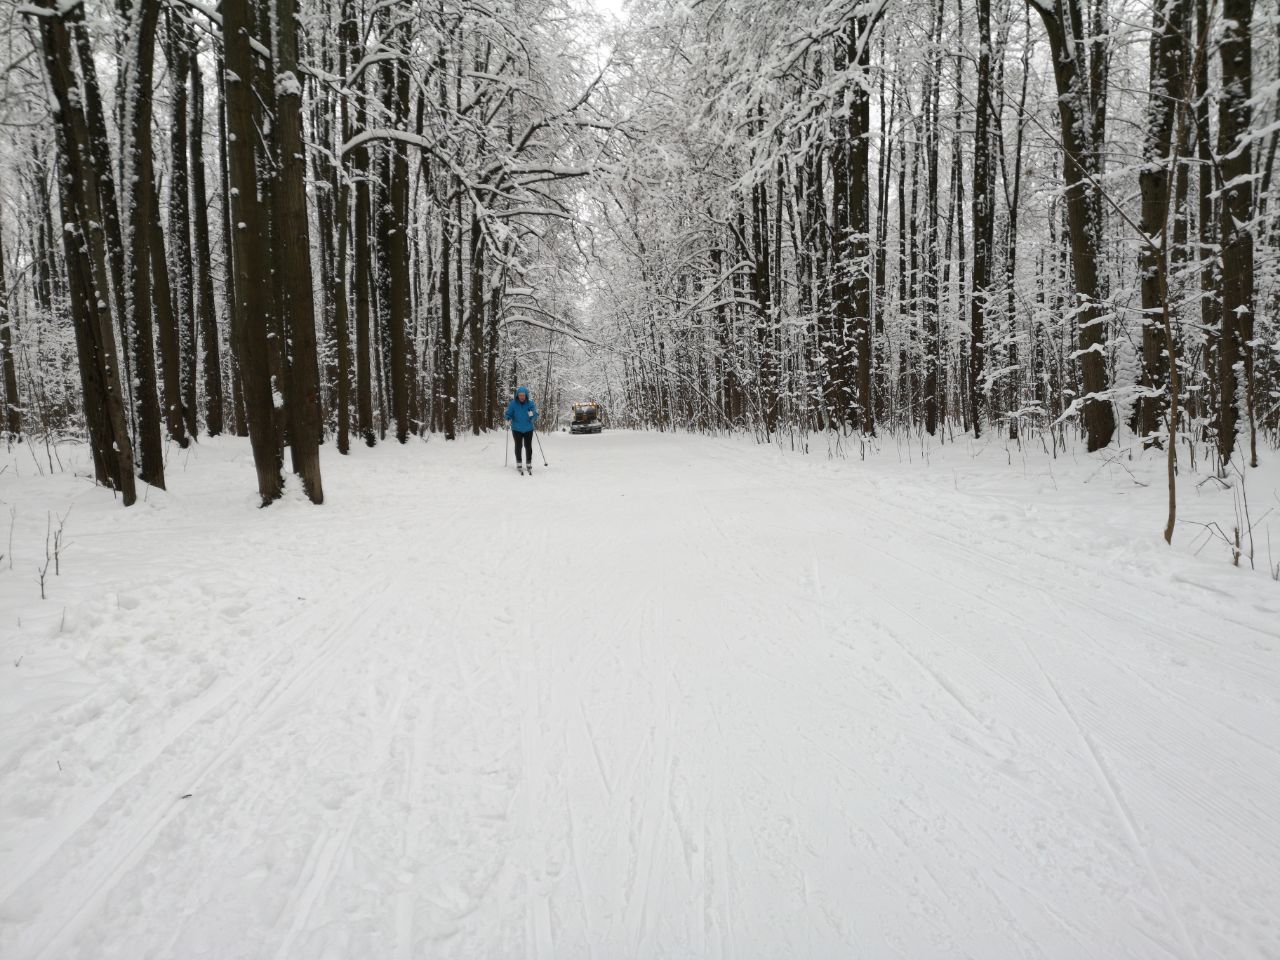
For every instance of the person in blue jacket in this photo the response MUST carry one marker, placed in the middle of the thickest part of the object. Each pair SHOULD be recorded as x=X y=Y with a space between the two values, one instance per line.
x=522 y=412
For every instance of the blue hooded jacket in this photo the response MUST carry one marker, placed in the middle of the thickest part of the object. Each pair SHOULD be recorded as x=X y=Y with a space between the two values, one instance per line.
x=520 y=414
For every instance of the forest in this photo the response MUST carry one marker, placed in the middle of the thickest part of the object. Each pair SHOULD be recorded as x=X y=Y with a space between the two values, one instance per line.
x=854 y=352
x=341 y=221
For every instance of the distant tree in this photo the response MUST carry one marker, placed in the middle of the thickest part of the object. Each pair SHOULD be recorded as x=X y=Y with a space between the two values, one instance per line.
x=12 y=405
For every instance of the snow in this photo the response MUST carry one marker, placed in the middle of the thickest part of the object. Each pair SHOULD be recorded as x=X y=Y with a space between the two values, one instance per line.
x=673 y=696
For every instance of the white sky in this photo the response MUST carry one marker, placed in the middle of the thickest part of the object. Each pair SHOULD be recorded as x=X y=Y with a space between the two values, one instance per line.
x=609 y=7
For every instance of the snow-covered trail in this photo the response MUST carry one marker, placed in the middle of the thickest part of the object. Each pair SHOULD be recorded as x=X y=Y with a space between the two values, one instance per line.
x=672 y=697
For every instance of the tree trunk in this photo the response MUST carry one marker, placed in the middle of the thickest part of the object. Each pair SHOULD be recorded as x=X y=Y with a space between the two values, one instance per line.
x=140 y=191
x=396 y=239
x=87 y=265
x=475 y=326
x=100 y=145
x=1235 y=152
x=206 y=318
x=364 y=292
x=836 y=322
x=932 y=305
x=12 y=419
x=1079 y=107
x=231 y=311
x=180 y=61
x=859 y=37
x=983 y=226
x=293 y=252
x=166 y=322
x=449 y=378
x=1167 y=68
x=252 y=254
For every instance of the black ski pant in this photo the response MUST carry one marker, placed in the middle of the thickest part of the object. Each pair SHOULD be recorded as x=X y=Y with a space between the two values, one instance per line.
x=524 y=441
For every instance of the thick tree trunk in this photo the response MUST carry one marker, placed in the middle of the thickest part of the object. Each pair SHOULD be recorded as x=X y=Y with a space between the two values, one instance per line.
x=100 y=144
x=268 y=299
x=983 y=226
x=1167 y=68
x=1235 y=159
x=252 y=254
x=240 y=419
x=87 y=264
x=107 y=469
x=139 y=188
x=1206 y=217
x=180 y=61
x=293 y=253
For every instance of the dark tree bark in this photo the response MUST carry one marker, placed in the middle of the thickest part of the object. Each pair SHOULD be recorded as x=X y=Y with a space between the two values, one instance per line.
x=445 y=352
x=95 y=116
x=1013 y=197
x=851 y=187
x=859 y=39
x=180 y=62
x=341 y=316
x=361 y=239
x=47 y=274
x=12 y=406
x=836 y=323
x=293 y=253
x=268 y=300
x=983 y=226
x=140 y=191
x=1235 y=153
x=1207 y=221
x=167 y=329
x=251 y=248
x=475 y=326
x=205 y=316
x=87 y=264
x=1077 y=72
x=106 y=467
x=1168 y=65
x=396 y=237
x=932 y=303
x=240 y=419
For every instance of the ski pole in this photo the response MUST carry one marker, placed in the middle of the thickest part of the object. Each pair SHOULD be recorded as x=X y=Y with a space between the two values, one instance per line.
x=506 y=451
x=540 y=450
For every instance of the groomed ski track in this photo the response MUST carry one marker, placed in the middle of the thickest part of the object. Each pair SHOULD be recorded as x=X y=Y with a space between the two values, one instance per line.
x=672 y=697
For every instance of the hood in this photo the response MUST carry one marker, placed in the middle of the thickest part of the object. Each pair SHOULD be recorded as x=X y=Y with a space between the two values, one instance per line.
x=526 y=391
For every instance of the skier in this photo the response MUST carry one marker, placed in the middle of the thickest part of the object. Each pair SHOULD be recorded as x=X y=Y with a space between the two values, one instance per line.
x=522 y=412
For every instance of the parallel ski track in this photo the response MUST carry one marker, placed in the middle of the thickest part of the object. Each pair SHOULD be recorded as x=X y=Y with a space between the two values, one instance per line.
x=130 y=841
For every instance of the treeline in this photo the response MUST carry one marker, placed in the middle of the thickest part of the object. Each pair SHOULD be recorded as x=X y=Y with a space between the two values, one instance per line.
x=967 y=215
x=300 y=225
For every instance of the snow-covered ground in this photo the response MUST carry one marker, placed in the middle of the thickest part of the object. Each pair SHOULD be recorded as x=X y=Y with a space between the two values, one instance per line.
x=673 y=697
